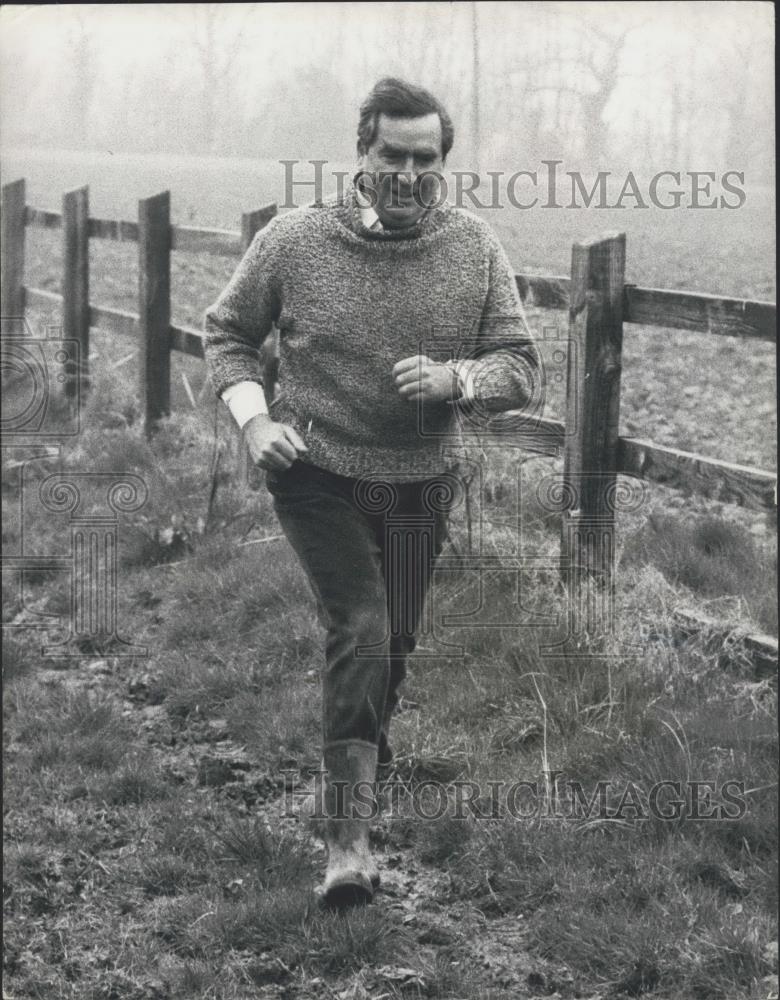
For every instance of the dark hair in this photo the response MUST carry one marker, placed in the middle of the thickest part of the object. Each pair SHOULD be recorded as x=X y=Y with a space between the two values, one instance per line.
x=399 y=99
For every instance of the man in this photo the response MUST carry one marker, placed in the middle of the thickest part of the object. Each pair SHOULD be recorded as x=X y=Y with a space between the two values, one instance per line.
x=364 y=287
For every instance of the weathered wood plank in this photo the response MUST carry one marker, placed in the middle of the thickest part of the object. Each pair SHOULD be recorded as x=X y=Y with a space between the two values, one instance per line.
x=100 y=317
x=680 y=310
x=734 y=643
x=221 y=242
x=745 y=486
x=75 y=284
x=181 y=338
x=117 y=320
x=41 y=297
x=253 y=222
x=41 y=218
x=186 y=340
x=544 y=291
x=593 y=406
x=541 y=435
x=709 y=477
x=154 y=306
x=699 y=312
x=12 y=251
x=118 y=230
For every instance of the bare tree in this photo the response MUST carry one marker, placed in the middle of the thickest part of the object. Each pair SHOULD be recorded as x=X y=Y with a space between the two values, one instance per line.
x=216 y=33
x=734 y=64
x=603 y=63
x=83 y=62
x=476 y=79
x=580 y=68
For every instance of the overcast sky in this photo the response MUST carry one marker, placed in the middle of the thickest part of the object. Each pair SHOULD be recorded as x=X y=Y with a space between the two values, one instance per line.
x=694 y=52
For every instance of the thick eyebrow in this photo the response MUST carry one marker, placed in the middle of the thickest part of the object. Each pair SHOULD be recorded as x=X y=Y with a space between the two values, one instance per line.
x=392 y=150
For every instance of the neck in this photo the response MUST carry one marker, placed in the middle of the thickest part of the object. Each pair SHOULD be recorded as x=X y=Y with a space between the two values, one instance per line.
x=392 y=230
x=387 y=221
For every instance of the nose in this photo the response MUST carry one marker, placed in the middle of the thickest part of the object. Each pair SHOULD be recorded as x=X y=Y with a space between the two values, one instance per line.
x=408 y=172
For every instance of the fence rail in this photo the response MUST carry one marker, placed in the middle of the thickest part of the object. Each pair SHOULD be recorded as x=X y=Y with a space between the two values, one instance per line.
x=695 y=311
x=597 y=298
x=221 y=242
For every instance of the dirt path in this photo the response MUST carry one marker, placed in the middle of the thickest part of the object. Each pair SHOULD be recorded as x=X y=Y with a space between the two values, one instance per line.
x=451 y=939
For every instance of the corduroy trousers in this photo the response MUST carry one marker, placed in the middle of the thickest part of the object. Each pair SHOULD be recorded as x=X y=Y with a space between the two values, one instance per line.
x=368 y=547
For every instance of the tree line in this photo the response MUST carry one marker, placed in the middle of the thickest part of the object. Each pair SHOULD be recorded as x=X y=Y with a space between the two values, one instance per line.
x=600 y=86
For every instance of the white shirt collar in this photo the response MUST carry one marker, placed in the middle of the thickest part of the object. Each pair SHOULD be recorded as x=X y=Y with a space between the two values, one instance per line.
x=368 y=215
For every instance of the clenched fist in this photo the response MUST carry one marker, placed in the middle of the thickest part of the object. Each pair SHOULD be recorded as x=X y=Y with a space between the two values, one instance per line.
x=272 y=445
x=419 y=379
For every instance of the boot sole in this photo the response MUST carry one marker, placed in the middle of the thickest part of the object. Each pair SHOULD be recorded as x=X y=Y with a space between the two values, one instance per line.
x=347 y=895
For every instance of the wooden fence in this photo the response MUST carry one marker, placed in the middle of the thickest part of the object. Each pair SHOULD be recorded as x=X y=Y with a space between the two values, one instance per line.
x=596 y=296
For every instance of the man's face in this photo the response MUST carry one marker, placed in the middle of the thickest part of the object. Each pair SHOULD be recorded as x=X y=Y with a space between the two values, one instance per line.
x=402 y=160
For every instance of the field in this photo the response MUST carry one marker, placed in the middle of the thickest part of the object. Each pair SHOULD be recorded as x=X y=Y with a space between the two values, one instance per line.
x=147 y=855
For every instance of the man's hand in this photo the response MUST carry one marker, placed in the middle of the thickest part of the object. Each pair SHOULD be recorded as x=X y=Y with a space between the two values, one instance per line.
x=272 y=445
x=419 y=379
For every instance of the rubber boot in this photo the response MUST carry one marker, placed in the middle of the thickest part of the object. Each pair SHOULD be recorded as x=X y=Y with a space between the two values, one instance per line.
x=310 y=809
x=349 y=801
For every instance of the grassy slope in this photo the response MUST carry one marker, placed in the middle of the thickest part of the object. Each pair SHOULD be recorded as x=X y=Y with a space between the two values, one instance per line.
x=135 y=870
x=138 y=867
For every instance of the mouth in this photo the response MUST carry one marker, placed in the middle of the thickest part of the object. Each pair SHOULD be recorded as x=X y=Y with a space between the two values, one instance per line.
x=403 y=201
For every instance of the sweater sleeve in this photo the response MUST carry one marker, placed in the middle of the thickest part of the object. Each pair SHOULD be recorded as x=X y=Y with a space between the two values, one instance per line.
x=242 y=317
x=506 y=373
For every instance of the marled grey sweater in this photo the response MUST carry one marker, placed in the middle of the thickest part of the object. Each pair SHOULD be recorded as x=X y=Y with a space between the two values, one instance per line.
x=351 y=302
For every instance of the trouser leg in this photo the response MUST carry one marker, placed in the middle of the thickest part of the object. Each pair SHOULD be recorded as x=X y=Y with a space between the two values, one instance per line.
x=345 y=555
x=372 y=600
x=338 y=549
x=406 y=603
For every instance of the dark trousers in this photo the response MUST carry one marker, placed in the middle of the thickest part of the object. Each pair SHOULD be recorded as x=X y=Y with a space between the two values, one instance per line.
x=368 y=547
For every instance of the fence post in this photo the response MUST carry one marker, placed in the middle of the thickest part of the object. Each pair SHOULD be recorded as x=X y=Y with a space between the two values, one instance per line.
x=154 y=306
x=593 y=409
x=252 y=222
x=75 y=283
x=12 y=277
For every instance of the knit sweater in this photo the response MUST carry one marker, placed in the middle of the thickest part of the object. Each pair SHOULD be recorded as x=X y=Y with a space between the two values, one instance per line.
x=350 y=303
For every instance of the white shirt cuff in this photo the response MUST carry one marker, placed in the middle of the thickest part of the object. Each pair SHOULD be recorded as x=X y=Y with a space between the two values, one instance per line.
x=245 y=400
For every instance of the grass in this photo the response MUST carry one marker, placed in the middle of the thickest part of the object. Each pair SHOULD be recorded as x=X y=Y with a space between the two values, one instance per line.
x=209 y=885
x=713 y=558
x=61 y=727
x=633 y=901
